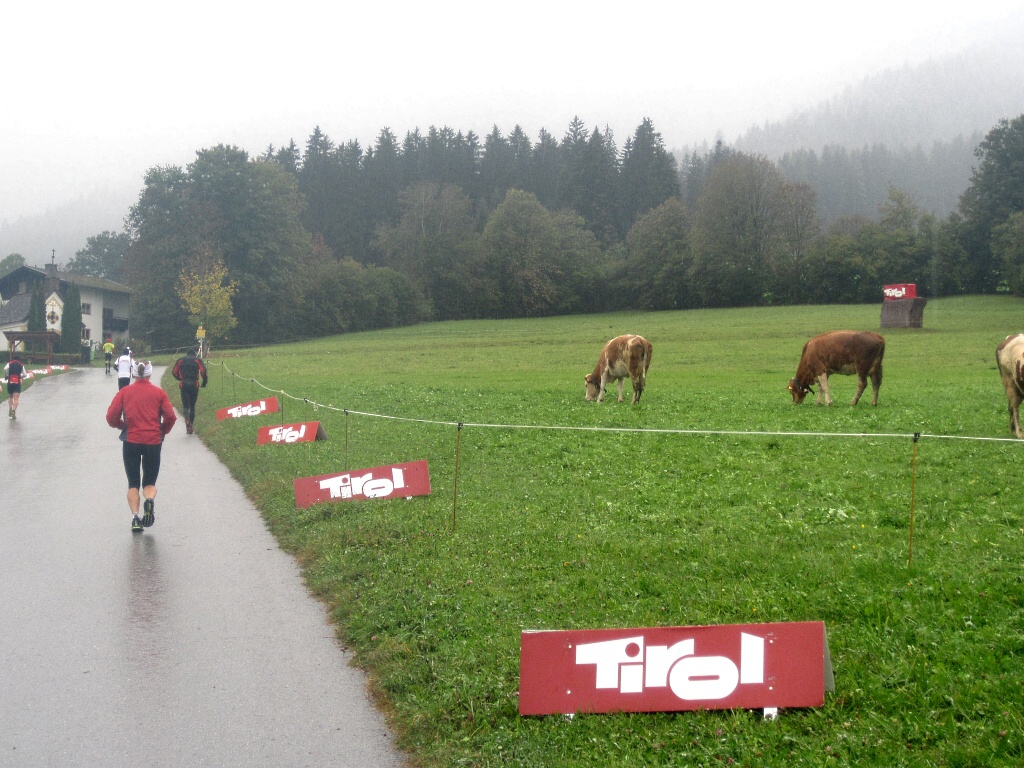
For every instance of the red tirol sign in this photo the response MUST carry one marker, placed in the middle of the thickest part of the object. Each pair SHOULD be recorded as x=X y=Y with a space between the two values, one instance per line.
x=664 y=669
x=900 y=291
x=304 y=432
x=255 y=408
x=392 y=481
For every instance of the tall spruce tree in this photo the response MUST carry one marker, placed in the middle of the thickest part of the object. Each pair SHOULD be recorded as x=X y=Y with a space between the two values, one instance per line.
x=36 y=313
x=648 y=175
x=71 y=322
x=996 y=192
x=37 y=310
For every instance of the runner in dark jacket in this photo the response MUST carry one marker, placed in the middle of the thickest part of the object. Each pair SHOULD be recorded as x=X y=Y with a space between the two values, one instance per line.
x=188 y=370
x=15 y=372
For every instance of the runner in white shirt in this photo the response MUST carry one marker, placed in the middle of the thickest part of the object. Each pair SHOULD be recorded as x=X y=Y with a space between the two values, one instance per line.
x=125 y=366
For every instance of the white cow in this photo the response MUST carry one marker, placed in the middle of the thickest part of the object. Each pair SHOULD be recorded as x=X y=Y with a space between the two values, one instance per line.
x=1010 y=359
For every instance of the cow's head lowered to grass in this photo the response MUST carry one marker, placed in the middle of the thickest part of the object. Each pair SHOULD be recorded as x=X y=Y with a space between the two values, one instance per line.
x=798 y=391
x=844 y=352
x=623 y=356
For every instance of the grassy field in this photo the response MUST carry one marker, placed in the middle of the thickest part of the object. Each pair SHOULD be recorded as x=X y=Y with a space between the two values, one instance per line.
x=560 y=529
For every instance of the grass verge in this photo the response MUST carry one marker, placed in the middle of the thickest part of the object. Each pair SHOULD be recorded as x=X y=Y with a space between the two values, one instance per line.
x=578 y=529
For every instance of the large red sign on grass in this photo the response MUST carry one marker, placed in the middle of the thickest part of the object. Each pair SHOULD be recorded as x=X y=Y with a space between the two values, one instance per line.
x=392 y=481
x=663 y=669
x=255 y=408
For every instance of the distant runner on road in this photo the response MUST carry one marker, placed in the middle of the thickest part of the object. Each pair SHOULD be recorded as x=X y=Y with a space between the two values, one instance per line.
x=14 y=371
x=145 y=411
x=108 y=353
x=125 y=366
x=188 y=370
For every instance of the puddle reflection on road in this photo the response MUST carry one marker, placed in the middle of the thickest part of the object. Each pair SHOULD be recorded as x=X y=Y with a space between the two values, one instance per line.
x=147 y=632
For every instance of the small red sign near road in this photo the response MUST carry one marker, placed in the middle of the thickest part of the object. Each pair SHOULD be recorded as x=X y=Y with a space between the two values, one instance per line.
x=664 y=669
x=304 y=432
x=392 y=481
x=255 y=408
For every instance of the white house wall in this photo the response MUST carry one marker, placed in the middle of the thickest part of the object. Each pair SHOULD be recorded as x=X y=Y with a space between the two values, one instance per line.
x=94 y=320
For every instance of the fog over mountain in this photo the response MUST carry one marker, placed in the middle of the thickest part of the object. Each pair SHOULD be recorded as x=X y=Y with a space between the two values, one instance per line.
x=936 y=101
x=953 y=99
x=62 y=231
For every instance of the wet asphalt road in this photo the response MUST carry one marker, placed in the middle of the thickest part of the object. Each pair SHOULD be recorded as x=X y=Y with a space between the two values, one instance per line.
x=192 y=644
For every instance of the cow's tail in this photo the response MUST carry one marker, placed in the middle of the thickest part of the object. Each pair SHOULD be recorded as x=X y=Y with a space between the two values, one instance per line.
x=877 y=365
x=640 y=357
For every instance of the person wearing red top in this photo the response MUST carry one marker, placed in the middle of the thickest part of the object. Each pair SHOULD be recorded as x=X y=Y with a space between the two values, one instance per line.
x=14 y=371
x=144 y=411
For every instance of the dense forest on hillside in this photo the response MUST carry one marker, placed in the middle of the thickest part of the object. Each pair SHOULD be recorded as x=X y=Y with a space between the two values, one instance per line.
x=334 y=237
x=444 y=225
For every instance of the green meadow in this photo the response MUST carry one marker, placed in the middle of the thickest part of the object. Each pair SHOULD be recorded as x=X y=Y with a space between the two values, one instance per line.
x=715 y=500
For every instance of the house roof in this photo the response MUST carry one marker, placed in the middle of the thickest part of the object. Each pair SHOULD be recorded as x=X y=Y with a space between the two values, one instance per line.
x=16 y=310
x=73 y=277
x=93 y=282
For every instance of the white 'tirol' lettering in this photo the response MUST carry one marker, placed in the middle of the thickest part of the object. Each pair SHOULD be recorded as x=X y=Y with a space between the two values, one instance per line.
x=350 y=486
x=248 y=410
x=287 y=434
x=378 y=488
x=609 y=655
x=703 y=677
x=623 y=664
x=340 y=486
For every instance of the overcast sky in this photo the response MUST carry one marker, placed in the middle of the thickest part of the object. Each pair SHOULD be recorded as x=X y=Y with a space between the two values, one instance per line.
x=95 y=93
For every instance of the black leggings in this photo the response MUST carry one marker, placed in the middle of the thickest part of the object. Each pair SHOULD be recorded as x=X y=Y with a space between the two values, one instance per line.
x=189 y=395
x=146 y=457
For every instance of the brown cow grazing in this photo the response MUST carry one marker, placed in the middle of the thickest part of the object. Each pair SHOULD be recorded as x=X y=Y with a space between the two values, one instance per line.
x=623 y=356
x=1010 y=359
x=845 y=352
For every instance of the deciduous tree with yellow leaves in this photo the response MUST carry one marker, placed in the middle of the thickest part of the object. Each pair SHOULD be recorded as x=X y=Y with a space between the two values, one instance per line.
x=205 y=293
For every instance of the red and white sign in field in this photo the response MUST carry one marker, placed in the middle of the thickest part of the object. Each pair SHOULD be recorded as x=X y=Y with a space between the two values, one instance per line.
x=664 y=669
x=900 y=291
x=255 y=408
x=304 y=432
x=392 y=481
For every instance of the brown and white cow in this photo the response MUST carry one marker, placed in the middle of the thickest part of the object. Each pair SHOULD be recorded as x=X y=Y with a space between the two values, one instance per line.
x=845 y=352
x=1010 y=359
x=623 y=356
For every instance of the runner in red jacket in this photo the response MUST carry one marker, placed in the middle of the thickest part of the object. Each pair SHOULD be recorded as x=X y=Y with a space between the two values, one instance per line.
x=145 y=412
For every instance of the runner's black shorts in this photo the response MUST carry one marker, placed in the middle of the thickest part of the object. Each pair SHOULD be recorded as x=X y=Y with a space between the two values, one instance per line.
x=141 y=457
x=13 y=388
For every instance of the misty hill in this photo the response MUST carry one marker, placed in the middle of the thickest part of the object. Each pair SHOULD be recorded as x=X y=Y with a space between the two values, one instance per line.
x=914 y=127
x=935 y=101
x=62 y=231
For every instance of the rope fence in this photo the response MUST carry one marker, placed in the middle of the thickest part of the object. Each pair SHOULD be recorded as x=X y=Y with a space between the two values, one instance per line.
x=650 y=430
x=459 y=425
